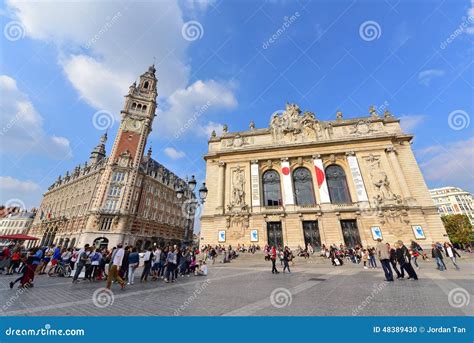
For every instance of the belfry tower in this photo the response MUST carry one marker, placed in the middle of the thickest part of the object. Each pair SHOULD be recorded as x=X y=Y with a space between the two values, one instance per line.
x=111 y=208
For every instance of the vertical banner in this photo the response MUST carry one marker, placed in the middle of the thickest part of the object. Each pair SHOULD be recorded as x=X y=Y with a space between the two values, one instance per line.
x=287 y=186
x=357 y=178
x=255 y=180
x=321 y=178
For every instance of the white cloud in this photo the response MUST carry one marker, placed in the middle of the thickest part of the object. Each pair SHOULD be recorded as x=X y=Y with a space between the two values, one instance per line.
x=14 y=192
x=425 y=76
x=185 y=107
x=174 y=154
x=8 y=183
x=21 y=126
x=207 y=129
x=449 y=164
x=470 y=18
x=103 y=46
x=410 y=122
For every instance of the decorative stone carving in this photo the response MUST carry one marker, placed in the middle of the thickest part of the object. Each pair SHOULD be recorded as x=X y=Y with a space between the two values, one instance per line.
x=238 y=189
x=373 y=112
x=236 y=142
x=384 y=194
x=252 y=125
x=225 y=128
x=125 y=159
x=362 y=127
x=339 y=115
x=292 y=124
x=387 y=114
x=213 y=134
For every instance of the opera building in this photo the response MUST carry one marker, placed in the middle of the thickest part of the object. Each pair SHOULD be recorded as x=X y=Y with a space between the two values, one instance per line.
x=305 y=181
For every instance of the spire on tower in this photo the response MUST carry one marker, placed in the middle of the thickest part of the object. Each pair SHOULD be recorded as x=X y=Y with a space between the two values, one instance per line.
x=98 y=153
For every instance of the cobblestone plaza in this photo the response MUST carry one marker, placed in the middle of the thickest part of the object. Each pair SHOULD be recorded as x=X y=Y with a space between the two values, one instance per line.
x=246 y=287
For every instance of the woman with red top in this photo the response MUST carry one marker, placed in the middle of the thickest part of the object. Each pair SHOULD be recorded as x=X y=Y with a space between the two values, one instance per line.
x=273 y=257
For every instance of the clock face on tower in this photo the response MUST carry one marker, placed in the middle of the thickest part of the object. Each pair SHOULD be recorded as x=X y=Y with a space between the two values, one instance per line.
x=132 y=124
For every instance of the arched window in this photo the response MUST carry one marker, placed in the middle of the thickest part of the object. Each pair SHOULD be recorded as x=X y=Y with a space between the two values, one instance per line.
x=134 y=106
x=139 y=107
x=145 y=85
x=271 y=188
x=337 y=184
x=144 y=108
x=303 y=184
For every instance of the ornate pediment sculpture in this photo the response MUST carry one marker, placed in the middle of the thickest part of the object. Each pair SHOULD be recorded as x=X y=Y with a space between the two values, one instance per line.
x=292 y=124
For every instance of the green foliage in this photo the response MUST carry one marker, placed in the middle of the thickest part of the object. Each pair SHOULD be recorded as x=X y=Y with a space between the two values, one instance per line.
x=459 y=228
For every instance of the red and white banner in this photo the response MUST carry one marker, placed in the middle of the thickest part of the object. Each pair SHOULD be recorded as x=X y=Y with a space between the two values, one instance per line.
x=287 y=184
x=321 y=178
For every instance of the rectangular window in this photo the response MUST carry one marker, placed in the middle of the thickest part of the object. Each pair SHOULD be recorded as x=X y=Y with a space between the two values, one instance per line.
x=118 y=176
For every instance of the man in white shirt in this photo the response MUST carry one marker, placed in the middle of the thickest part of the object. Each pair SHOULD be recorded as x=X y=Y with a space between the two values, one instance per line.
x=117 y=258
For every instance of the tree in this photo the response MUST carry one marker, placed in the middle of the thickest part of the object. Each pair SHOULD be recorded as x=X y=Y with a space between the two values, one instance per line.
x=459 y=228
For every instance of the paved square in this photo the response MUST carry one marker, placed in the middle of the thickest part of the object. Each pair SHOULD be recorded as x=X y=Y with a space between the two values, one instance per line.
x=247 y=287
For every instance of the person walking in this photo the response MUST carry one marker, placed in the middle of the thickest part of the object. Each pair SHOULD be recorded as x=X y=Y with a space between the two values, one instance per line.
x=83 y=256
x=403 y=258
x=116 y=260
x=438 y=256
x=147 y=258
x=133 y=261
x=171 y=260
x=393 y=260
x=372 y=262
x=273 y=257
x=450 y=252
x=384 y=256
x=286 y=259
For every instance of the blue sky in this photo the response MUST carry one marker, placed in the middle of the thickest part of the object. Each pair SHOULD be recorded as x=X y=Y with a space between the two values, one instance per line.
x=62 y=62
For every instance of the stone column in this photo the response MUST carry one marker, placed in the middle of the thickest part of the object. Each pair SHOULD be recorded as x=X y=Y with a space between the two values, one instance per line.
x=392 y=156
x=221 y=186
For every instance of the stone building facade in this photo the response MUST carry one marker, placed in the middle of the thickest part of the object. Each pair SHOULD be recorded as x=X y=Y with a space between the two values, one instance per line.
x=126 y=197
x=302 y=180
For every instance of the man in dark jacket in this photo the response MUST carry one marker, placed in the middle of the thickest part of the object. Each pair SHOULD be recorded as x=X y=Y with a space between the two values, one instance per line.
x=403 y=258
x=393 y=261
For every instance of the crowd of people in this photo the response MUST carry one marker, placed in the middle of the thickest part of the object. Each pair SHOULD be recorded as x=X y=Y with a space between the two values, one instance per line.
x=119 y=265
x=399 y=257
x=90 y=263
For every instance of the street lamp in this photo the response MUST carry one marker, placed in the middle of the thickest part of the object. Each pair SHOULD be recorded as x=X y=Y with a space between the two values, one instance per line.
x=192 y=183
x=203 y=192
